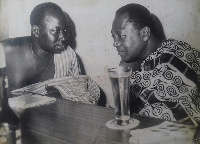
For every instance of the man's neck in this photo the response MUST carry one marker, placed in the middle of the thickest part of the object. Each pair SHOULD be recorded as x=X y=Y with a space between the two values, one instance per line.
x=38 y=52
x=152 y=45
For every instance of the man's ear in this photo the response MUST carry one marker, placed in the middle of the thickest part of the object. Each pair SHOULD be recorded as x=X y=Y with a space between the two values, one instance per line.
x=35 y=30
x=145 y=33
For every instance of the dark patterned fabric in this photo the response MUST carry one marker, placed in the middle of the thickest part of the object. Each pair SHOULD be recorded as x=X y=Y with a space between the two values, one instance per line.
x=168 y=83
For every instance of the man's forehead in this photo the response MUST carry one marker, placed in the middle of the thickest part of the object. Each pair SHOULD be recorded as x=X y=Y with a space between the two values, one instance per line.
x=55 y=18
x=121 y=21
x=50 y=18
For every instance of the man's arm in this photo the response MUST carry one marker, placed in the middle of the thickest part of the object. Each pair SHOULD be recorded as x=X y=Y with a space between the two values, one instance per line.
x=196 y=139
x=166 y=84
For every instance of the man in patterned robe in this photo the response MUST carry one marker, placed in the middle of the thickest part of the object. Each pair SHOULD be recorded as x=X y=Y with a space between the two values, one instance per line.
x=165 y=83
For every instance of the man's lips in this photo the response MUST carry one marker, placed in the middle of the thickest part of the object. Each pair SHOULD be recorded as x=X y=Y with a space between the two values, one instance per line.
x=60 y=46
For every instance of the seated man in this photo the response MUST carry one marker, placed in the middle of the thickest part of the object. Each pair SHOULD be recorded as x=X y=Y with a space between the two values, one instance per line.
x=43 y=55
x=166 y=85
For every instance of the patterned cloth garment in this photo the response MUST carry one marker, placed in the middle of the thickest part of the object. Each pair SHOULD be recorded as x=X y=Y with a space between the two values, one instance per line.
x=66 y=63
x=167 y=85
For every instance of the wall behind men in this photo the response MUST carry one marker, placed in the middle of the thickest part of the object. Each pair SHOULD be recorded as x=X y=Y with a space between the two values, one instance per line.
x=93 y=21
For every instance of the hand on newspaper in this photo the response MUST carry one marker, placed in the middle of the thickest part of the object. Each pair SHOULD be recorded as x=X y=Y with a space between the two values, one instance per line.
x=52 y=91
x=196 y=139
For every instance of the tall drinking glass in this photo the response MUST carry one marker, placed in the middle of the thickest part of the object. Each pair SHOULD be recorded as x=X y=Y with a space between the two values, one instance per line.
x=120 y=81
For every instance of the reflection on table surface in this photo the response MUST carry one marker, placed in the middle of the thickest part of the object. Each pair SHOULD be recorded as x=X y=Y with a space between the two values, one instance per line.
x=66 y=122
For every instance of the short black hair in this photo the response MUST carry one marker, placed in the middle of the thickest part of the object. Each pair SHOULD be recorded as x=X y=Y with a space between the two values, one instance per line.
x=38 y=13
x=139 y=15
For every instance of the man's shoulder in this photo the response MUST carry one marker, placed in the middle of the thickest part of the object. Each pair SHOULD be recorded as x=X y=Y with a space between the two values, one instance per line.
x=18 y=41
x=69 y=51
x=176 y=44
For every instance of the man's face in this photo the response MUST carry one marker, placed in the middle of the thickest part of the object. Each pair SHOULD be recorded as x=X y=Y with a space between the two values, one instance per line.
x=127 y=39
x=53 y=34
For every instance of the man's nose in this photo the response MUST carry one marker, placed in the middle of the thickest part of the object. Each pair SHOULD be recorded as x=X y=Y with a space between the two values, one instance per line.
x=61 y=36
x=116 y=43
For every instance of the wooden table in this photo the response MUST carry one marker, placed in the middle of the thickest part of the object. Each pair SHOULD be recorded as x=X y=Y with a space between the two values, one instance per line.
x=67 y=122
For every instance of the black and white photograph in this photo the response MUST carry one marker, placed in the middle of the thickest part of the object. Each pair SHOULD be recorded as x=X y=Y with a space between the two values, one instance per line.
x=99 y=72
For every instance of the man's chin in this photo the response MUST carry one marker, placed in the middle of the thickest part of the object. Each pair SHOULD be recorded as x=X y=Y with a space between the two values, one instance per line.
x=59 y=50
